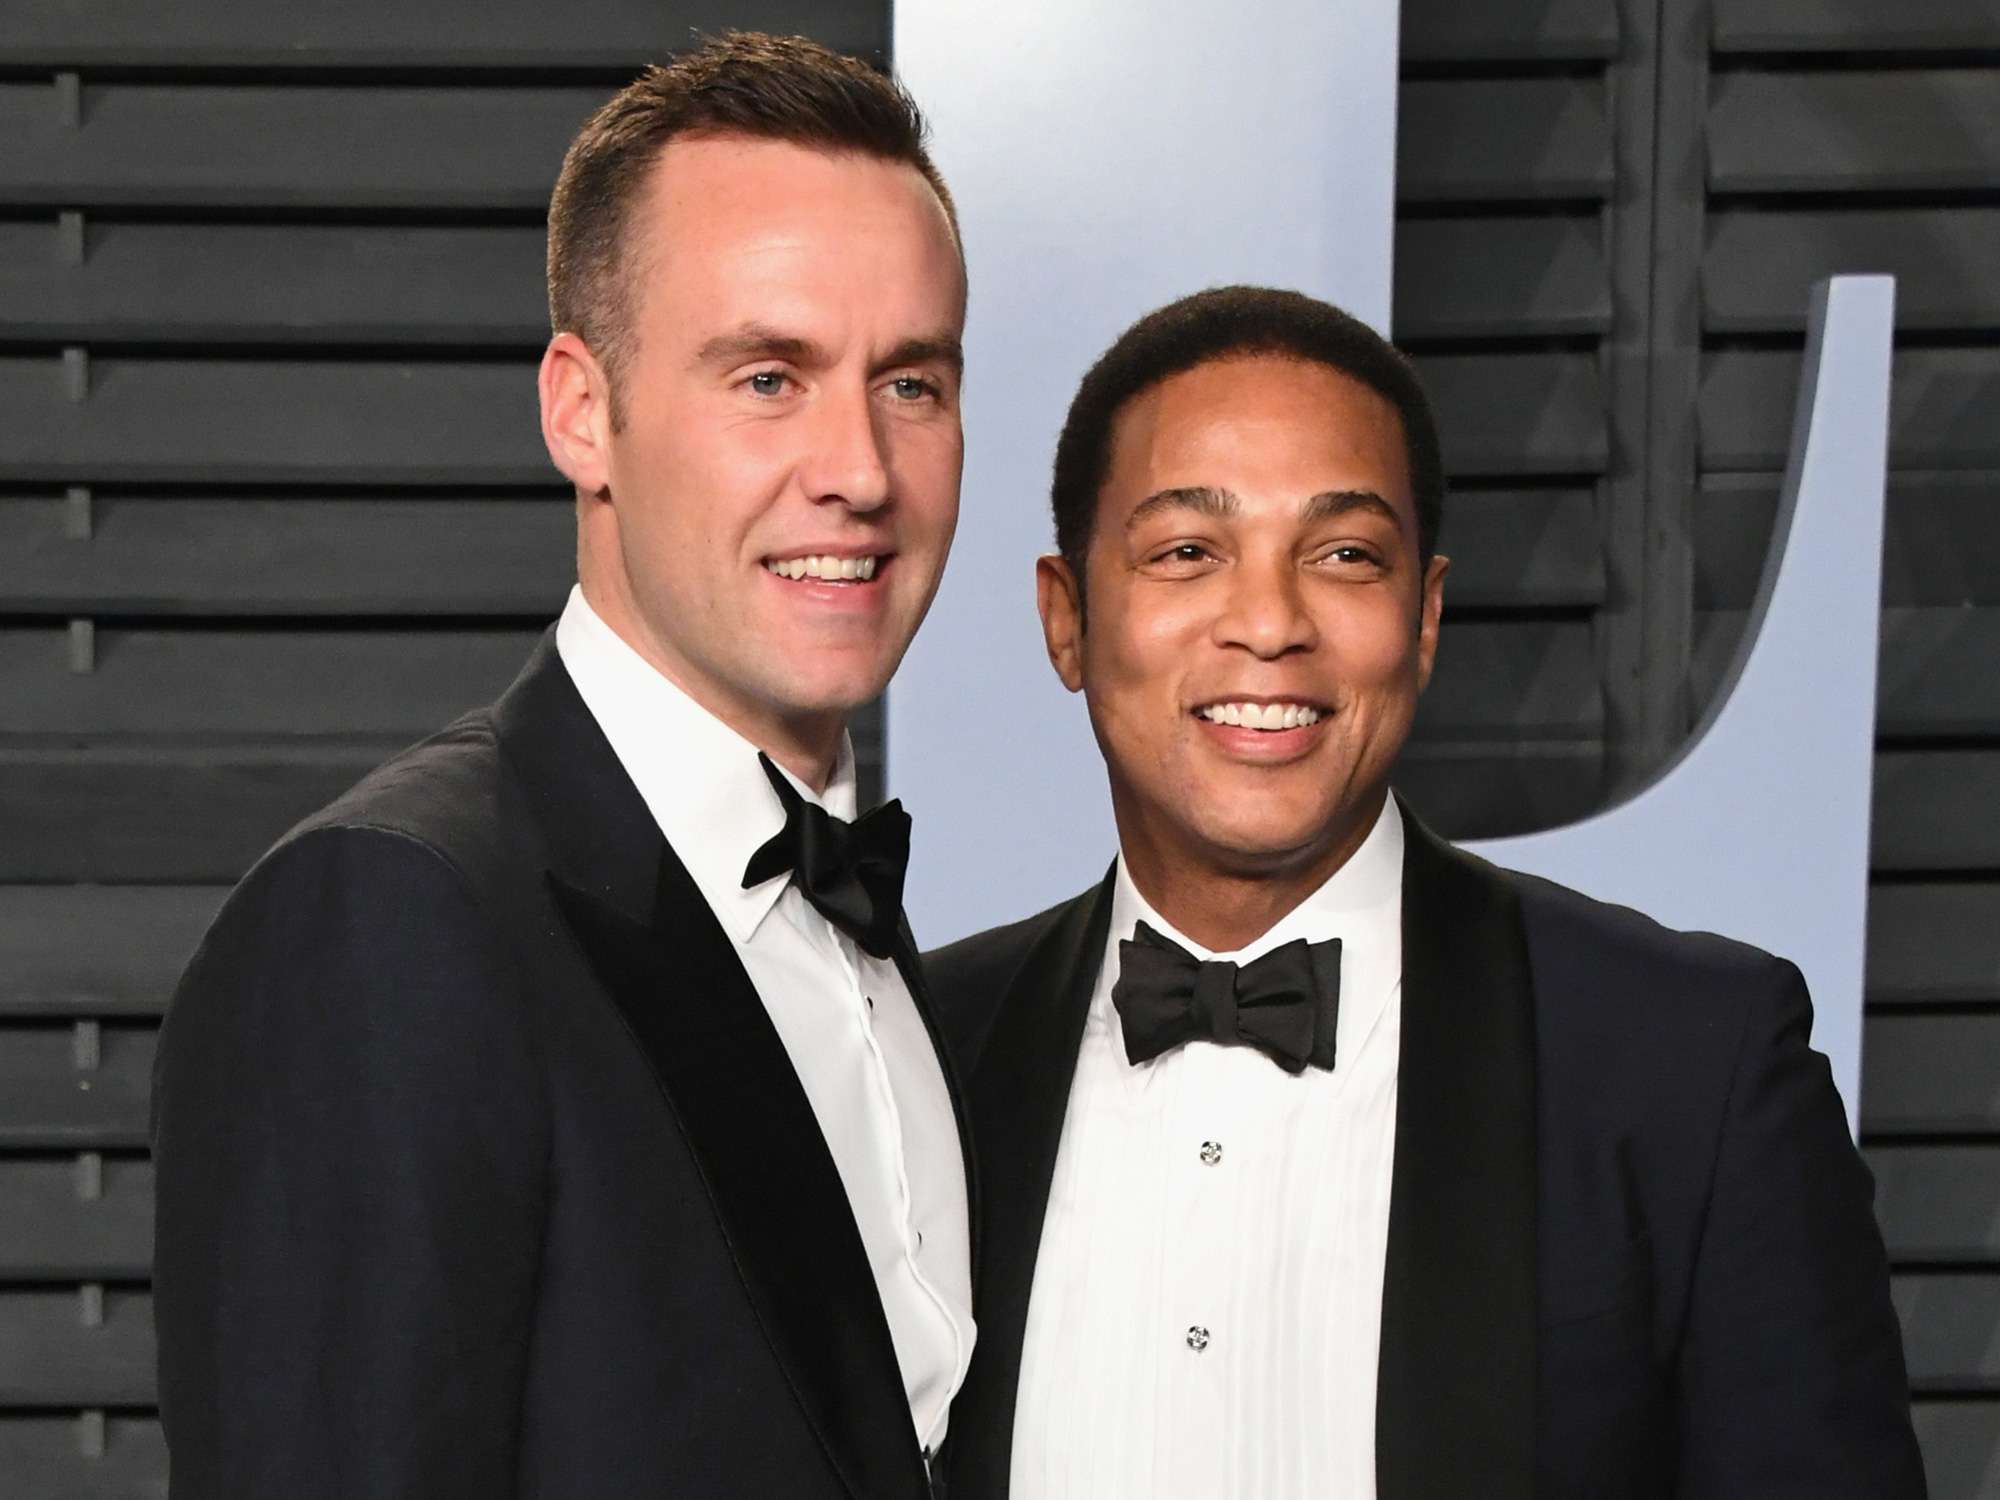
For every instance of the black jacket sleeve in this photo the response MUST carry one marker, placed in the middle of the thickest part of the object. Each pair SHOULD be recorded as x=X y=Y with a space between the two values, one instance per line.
x=350 y=1135
x=1792 y=1381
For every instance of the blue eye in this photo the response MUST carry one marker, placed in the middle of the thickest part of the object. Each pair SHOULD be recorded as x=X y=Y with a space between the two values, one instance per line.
x=911 y=388
x=768 y=382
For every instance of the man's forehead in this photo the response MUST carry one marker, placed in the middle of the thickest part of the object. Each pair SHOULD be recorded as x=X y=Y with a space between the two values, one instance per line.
x=1213 y=434
x=1243 y=414
x=735 y=229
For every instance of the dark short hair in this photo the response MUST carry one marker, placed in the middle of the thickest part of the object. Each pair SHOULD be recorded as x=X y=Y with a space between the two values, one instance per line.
x=1223 y=323
x=778 y=88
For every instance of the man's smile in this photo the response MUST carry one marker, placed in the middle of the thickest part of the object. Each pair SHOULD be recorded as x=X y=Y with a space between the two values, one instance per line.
x=828 y=567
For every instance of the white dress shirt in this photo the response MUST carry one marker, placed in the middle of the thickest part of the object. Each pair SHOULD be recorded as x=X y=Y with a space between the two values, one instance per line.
x=847 y=1021
x=1207 y=1307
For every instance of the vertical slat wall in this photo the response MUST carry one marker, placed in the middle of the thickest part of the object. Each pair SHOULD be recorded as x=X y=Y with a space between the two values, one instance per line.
x=1844 y=135
x=273 y=502
x=1503 y=293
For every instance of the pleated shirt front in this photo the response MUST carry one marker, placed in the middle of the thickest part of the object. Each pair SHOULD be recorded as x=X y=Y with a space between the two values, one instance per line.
x=1207 y=1307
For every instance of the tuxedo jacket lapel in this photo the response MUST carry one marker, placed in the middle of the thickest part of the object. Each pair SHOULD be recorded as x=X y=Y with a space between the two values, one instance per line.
x=666 y=962
x=1019 y=1099
x=1455 y=1407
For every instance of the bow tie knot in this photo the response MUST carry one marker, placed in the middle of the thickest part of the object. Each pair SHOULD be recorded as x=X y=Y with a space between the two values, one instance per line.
x=852 y=873
x=1285 y=1004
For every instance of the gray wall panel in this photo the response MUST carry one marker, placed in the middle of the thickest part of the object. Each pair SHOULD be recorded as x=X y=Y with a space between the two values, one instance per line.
x=76 y=1219
x=438 y=34
x=298 y=557
x=1938 y=1203
x=161 y=814
x=89 y=1458
x=1941 y=409
x=49 y=1102
x=1536 y=679
x=1523 y=547
x=1855 y=25
x=1932 y=1073
x=1931 y=941
x=50 y=1356
x=1942 y=259
x=275 y=422
x=1485 y=789
x=97 y=950
x=383 y=684
x=1541 y=275
x=275 y=283
x=1961 y=1445
x=1951 y=1330
x=1524 y=30
x=1797 y=132
x=1932 y=810
x=1506 y=414
x=1940 y=542
x=299 y=146
x=1502 y=139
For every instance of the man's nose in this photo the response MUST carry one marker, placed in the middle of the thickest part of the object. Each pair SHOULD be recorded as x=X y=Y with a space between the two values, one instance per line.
x=1264 y=608
x=845 y=461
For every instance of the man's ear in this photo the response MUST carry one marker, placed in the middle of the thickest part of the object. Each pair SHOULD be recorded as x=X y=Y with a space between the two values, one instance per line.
x=576 y=413
x=1060 y=600
x=1428 y=613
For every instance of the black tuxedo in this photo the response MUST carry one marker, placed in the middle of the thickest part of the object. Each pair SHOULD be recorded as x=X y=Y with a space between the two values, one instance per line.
x=483 y=1172
x=1631 y=1250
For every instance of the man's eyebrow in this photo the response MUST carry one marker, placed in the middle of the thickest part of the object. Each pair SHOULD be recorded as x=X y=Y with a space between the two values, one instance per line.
x=1203 y=499
x=939 y=349
x=758 y=341
x=1331 y=503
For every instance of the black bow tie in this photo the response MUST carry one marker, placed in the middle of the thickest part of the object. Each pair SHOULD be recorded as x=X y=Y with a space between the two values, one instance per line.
x=1284 y=1004
x=851 y=872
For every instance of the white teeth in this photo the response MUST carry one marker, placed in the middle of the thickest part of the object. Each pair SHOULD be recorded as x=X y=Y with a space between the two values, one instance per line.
x=1265 y=716
x=860 y=569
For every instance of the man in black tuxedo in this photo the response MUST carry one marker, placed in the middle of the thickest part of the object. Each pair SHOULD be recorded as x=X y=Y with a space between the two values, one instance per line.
x=1319 y=1158
x=559 y=1113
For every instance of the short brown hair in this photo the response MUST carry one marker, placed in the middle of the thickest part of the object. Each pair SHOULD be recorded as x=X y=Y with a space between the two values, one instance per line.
x=780 y=88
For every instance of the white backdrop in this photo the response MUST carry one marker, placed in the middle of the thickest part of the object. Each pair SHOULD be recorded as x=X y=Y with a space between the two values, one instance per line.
x=1107 y=156
x=1110 y=156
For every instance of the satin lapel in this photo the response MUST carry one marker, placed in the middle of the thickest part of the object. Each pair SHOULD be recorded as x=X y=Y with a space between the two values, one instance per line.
x=659 y=952
x=688 y=1001
x=1455 y=1408
x=1020 y=1094
x=912 y=969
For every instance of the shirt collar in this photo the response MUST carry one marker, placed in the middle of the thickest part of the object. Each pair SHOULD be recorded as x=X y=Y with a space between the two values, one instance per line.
x=698 y=777
x=1361 y=903
x=1349 y=901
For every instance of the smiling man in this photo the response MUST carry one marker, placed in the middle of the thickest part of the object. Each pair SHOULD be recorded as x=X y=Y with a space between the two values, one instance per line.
x=1320 y=1159
x=559 y=1113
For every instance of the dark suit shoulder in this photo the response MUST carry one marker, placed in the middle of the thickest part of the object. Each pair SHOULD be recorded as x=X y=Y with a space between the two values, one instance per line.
x=1614 y=983
x=1651 y=1037
x=446 y=793
x=969 y=978
x=403 y=875
x=1618 y=936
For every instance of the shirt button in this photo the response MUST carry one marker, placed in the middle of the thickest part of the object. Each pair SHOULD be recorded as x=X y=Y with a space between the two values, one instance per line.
x=1197 y=1338
x=1211 y=1153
